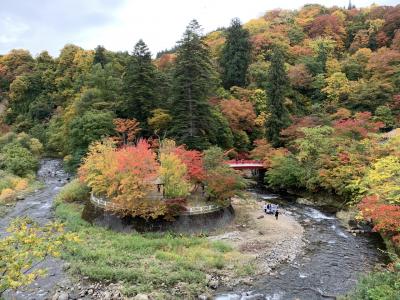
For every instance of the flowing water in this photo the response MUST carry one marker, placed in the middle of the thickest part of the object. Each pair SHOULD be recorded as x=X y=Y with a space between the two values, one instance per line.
x=331 y=263
x=38 y=206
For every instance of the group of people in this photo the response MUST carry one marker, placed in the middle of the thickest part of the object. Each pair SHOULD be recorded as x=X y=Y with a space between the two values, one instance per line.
x=271 y=209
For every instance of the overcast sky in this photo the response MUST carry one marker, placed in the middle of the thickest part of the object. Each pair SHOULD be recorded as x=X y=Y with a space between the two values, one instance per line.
x=39 y=25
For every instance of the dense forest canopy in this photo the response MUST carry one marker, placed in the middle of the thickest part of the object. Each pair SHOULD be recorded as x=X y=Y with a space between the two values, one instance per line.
x=317 y=82
x=313 y=93
x=229 y=87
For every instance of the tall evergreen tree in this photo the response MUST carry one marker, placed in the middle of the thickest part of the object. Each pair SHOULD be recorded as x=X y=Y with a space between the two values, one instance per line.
x=194 y=79
x=235 y=57
x=140 y=83
x=100 y=56
x=277 y=86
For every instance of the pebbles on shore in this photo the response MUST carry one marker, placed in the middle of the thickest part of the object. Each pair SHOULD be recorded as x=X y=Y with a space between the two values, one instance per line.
x=91 y=292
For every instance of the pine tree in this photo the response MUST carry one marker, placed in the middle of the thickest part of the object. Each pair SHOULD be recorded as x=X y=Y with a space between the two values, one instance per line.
x=100 y=56
x=349 y=7
x=235 y=57
x=277 y=86
x=140 y=83
x=194 y=79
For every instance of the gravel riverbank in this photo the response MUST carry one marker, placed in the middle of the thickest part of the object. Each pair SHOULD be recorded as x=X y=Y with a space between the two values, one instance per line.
x=267 y=241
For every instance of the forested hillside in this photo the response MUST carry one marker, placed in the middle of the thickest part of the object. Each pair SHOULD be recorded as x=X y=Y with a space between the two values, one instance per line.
x=333 y=70
x=213 y=89
x=313 y=93
x=308 y=91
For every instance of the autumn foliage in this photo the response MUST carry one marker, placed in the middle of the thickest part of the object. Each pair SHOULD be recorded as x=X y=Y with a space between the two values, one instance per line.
x=128 y=176
x=25 y=246
x=265 y=152
x=193 y=161
x=124 y=175
x=240 y=114
x=385 y=217
x=359 y=126
x=127 y=130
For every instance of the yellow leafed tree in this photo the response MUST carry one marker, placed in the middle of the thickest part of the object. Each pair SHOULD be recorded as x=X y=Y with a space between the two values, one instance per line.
x=173 y=173
x=26 y=245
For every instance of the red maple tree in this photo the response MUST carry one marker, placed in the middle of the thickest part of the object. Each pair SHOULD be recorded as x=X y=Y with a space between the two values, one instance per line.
x=193 y=160
x=385 y=217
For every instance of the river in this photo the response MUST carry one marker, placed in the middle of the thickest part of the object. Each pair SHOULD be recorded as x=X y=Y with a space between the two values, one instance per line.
x=332 y=260
x=330 y=265
x=38 y=206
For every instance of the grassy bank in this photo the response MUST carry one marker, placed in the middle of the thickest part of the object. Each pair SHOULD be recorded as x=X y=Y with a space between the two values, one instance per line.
x=377 y=286
x=158 y=264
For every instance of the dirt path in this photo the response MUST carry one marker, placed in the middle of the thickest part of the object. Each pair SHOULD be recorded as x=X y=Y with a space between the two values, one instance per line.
x=38 y=206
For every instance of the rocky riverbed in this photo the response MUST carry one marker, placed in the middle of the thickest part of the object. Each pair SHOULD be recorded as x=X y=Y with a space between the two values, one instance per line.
x=267 y=241
x=38 y=206
x=329 y=263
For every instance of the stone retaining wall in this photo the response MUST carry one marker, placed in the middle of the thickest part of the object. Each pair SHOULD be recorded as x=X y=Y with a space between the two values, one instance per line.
x=194 y=223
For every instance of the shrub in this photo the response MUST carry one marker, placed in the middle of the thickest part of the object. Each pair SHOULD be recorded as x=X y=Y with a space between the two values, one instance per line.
x=20 y=184
x=73 y=191
x=377 y=286
x=36 y=147
x=18 y=160
x=23 y=140
x=6 y=180
x=6 y=139
x=7 y=195
x=285 y=171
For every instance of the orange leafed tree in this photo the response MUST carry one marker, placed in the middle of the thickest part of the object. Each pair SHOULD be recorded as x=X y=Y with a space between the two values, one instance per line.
x=328 y=26
x=194 y=163
x=138 y=160
x=293 y=132
x=127 y=130
x=137 y=168
x=125 y=176
x=300 y=77
x=265 y=152
x=240 y=114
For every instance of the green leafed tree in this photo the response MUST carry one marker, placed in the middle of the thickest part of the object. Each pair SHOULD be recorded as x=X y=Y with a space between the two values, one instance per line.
x=83 y=130
x=100 y=56
x=277 y=86
x=235 y=57
x=194 y=79
x=18 y=160
x=140 y=83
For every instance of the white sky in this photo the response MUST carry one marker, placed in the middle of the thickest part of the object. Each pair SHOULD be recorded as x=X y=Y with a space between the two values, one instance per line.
x=118 y=24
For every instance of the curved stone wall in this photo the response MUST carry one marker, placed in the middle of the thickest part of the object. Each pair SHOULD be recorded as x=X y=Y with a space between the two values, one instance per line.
x=197 y=223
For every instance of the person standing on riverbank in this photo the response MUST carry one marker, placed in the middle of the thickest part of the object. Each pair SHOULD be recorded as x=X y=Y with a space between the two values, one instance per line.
x=276 y=214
